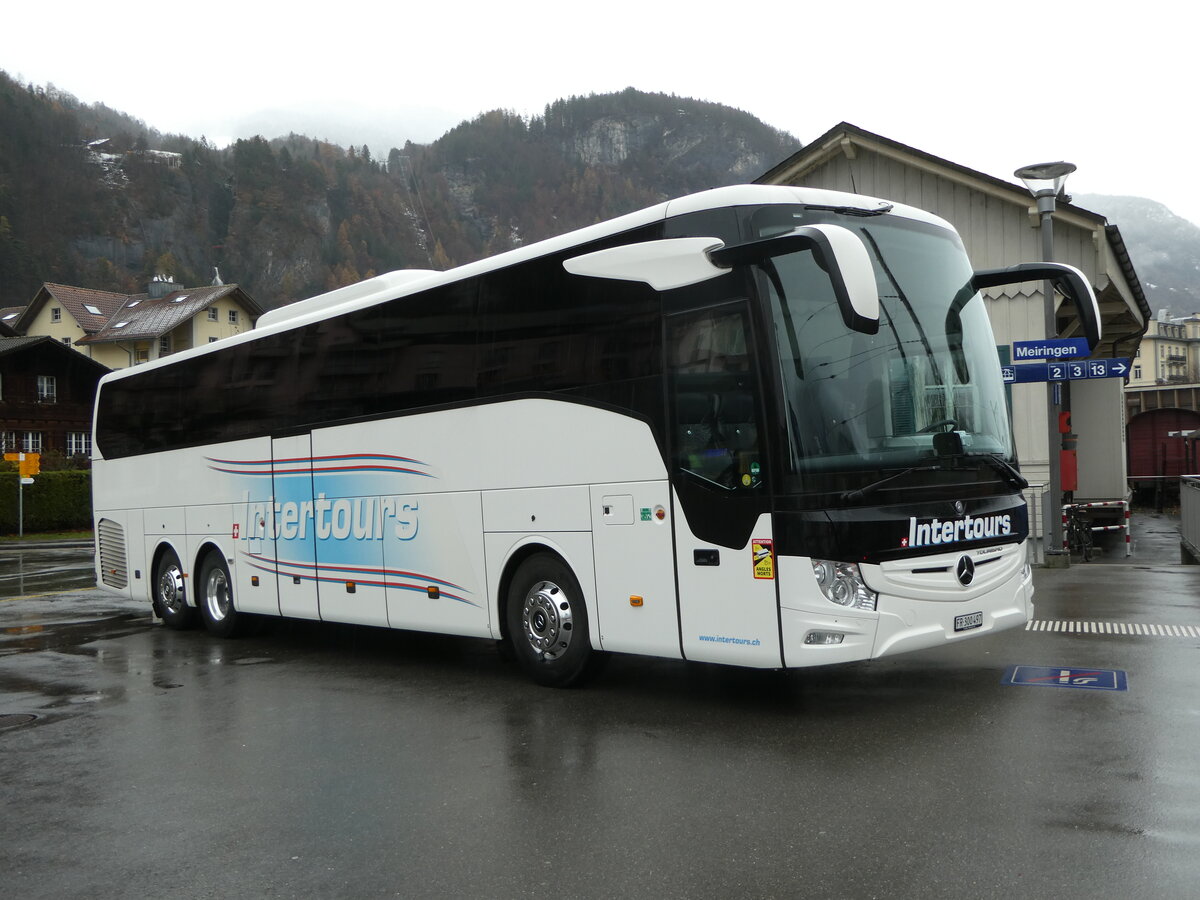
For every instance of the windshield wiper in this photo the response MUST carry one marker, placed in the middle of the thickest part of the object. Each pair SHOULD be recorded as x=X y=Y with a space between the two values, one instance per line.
x=1001 y=465
x=1005 y=468
x=867 y=490
x=881 y=209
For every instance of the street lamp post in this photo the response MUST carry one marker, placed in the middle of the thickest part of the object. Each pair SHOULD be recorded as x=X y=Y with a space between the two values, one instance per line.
x=1045 y=181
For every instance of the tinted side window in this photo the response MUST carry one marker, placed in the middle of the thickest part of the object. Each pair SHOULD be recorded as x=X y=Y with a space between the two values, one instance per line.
x=396 y=356
x=718 y=223
x=528 y=328
x=714 y=392
x=542 y=329
x=405 y=354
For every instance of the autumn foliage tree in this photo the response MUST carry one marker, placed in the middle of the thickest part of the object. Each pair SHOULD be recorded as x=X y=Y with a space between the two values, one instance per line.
x=87 y=196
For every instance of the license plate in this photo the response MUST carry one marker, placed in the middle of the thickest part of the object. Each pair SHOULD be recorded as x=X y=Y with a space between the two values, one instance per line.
x=969 y=621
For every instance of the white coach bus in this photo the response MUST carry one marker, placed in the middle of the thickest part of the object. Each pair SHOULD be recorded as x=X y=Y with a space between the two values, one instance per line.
x=762 y=426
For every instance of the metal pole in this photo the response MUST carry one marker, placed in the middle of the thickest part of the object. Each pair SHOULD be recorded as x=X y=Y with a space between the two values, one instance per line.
x=1054 y=552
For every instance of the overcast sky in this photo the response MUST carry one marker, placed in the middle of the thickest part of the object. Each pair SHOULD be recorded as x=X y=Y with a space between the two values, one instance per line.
x=993 y=86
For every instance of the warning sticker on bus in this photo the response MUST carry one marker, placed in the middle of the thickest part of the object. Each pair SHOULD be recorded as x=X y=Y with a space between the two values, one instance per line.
x=764 y=558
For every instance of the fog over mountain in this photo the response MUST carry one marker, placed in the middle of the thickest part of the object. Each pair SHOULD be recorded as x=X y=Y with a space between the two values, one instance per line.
x=91 y=196
x=1164 y=247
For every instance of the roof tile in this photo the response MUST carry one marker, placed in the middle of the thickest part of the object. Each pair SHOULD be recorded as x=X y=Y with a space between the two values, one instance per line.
x=142 y=317
x=80 y=303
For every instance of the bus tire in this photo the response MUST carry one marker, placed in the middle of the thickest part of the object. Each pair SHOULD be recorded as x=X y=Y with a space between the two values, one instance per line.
x=215 y=599
x=170 y=593
x=548 y=622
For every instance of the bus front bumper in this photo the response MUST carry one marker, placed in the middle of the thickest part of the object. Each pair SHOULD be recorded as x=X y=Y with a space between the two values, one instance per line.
x=902 y=624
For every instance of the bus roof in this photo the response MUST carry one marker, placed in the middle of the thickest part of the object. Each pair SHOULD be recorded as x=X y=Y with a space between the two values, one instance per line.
x=403 y=282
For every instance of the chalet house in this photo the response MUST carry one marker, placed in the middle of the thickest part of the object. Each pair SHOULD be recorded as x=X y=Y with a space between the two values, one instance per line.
x=119 y=330
x=46 y=394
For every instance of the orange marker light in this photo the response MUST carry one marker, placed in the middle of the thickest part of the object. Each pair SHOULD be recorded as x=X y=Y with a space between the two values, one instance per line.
x=635 y=600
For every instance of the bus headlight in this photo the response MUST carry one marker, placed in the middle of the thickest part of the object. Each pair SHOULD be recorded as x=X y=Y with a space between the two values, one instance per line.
x=842 y=583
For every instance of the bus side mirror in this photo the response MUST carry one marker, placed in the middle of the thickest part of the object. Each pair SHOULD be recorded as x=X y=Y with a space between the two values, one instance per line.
x=664 y=265
x=1067 y=280
x=838 y=251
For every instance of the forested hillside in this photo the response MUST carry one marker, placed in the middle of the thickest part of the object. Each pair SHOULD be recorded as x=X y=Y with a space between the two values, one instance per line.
x=1165 y=249
x=92 y=197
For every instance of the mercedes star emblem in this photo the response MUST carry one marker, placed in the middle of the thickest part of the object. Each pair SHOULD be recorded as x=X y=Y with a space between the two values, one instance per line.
x=965 y=570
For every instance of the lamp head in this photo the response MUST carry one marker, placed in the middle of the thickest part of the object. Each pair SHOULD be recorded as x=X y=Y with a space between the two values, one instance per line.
x=1044 y=179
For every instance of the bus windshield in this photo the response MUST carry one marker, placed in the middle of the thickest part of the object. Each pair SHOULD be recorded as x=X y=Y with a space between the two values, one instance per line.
x=926 y=387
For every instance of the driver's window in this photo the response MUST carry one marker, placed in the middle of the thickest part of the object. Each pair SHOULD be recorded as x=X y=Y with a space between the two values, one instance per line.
x=715 y=397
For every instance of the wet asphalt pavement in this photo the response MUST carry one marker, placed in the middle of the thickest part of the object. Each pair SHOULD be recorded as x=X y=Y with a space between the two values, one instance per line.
x=329 y=761
x=35 y=569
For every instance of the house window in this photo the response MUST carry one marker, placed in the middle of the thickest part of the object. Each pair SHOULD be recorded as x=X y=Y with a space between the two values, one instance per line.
x=212 y=314
x=212 y=340
x=79 y=443
x=67 y=341
x=233 y=317
x=31 y=442
x=141 y=355
x=8 y=441
x=56 y=314
x=164 y=345
x=47 y=389
x=1137 y=371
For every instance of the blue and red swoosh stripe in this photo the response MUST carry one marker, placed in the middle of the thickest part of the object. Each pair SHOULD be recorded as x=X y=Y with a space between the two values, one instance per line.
x=320 y=465
x=396 y=579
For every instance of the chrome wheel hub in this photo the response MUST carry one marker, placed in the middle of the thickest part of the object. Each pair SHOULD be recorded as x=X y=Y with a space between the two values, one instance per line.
x=546 y=618
x=216 y=595
x=170 y=589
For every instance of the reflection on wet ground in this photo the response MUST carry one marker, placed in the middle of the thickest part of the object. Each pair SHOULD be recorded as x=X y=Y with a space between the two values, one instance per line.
x=56 y=635
x=33 y=569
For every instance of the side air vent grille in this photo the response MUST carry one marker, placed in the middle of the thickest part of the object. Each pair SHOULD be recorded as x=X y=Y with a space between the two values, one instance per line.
x=114 y=569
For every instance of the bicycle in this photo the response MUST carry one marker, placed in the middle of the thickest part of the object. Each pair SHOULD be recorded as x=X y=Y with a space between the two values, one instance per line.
x=1079 y=533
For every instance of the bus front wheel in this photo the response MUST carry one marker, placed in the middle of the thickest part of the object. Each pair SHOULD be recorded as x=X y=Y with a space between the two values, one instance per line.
x=548 y=622
x=170 y=593
x=215 y=599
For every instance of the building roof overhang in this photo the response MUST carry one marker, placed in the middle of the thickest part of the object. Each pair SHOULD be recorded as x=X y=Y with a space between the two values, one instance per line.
x=1124 y=309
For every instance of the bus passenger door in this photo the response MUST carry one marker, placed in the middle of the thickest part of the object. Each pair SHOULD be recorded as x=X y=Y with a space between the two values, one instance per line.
x=295 y=557
x=724 y=552
x=728 y=606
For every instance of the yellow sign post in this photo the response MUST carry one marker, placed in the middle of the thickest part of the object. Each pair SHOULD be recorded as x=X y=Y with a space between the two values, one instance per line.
x=28 y=465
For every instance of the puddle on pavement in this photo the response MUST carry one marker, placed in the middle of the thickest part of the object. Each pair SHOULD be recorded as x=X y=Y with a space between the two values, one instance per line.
x=67 y=636
x=33 y=570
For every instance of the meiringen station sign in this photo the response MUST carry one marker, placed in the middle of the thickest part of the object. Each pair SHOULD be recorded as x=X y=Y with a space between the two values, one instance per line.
x=1066 y=361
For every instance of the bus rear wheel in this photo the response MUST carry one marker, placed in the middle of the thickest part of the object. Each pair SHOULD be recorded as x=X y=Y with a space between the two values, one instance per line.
x=548 y=622
x=170 y=593
x=215 y=599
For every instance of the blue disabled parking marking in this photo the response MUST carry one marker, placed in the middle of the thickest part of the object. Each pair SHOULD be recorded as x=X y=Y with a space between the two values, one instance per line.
x=1064 y=677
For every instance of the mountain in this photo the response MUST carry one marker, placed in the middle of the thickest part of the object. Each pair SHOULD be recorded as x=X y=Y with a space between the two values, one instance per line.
x=1164 y=247
x=91 y=197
